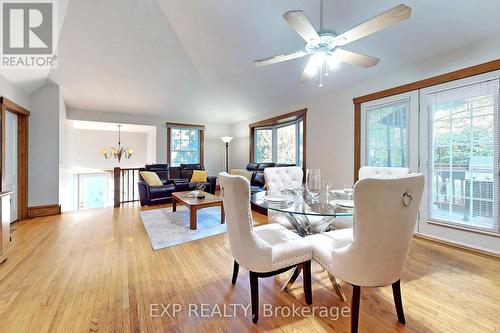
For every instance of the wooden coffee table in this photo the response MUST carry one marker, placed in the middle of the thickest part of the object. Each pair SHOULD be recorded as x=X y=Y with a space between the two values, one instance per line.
x=194 y=204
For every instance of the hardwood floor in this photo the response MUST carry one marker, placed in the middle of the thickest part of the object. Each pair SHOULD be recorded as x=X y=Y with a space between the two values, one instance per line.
x=95 y=271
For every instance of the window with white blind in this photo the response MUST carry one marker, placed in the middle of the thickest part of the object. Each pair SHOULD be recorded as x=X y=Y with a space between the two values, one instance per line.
x=386 y=134
x=463 y=155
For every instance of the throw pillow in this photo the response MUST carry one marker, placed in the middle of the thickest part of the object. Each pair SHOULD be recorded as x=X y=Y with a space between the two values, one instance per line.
x=151 y=178
x=199 y=176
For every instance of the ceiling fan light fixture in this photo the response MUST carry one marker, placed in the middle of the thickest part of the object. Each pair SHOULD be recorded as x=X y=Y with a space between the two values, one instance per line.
x=312 y=66
x=332 y=62
x=326 y=46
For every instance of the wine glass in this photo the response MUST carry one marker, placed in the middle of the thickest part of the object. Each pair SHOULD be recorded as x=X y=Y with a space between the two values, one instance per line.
x=327 y=184
x=313 y=183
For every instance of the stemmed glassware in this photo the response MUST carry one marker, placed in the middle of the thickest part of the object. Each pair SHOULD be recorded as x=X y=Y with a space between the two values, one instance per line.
x=327 y=184
x=313 y=183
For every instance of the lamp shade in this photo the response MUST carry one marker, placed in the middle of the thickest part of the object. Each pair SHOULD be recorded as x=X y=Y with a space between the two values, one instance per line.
x=226 y=139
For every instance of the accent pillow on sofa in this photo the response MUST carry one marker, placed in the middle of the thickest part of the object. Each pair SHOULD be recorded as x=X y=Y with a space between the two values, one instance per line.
x=151 y=178
x=199 y=176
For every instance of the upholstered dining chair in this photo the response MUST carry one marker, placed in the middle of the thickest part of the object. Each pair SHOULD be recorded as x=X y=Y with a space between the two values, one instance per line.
x=264 y=250
x=382 y=172
x=278 y=179
x=372 y=172
x=384 y=219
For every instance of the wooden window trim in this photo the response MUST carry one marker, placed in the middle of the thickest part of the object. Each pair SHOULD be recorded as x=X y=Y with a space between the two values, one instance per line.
x=22 y=152
x=417 y=85
x=284 y=118
x=202 y=139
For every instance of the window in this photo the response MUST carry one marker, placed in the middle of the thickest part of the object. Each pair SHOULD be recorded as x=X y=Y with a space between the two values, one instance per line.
x=463 y=155
x=264 y=145
x=387 y=134
x=184 y=144
x=279 y=143
x=287 y=142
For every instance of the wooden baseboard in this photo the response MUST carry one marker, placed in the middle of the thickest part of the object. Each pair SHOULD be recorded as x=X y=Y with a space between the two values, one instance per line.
x=45 y=210
x=457 y=246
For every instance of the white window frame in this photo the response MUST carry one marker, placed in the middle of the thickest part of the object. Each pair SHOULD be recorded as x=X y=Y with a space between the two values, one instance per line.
x=185 y=128
x=274 y=142
x=411 y=132
x=460 y=234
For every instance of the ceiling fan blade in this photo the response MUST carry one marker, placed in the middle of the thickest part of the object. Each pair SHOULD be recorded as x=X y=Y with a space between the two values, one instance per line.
x=384 y=20
x=299 y=22
x=280 y=58
x=354 y=58
x=310 y=70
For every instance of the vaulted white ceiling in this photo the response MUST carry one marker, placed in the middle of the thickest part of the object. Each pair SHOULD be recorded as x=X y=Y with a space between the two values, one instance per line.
x=193 y=59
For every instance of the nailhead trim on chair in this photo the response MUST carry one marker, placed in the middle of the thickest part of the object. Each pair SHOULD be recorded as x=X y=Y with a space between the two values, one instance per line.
x=321 y=262
x=302 y=255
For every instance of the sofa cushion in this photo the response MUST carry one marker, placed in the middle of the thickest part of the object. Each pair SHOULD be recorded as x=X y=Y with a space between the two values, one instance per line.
x=258 y=179
x=252 y=166
x=162 y=170
x=151 y=178
x=192 y=166
x=175 y=173
x=156 y=167
x=161 y=192
x=262 y=166
x=186 y=173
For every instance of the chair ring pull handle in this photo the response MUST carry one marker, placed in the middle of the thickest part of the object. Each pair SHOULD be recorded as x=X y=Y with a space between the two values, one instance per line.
x=407 y=199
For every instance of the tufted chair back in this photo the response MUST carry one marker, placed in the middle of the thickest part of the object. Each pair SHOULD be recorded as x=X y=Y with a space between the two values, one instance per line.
x=247 y=248
x=281 y=178
x=381 y=172
x=384 y=220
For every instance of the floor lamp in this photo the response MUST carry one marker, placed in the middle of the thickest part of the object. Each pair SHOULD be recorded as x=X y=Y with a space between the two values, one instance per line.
x=226 y=140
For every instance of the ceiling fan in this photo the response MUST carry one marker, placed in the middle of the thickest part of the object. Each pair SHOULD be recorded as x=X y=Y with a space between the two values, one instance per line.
x=324 y=46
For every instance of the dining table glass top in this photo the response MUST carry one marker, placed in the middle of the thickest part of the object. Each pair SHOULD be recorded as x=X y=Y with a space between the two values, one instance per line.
x=333 y=203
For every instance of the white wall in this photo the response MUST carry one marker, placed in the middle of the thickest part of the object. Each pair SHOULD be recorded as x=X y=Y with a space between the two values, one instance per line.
x=88 y=145
x=214 y=147
x=43 y=157
x=13 y=93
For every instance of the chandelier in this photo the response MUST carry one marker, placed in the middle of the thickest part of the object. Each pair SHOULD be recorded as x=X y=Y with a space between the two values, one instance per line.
x=119 y=152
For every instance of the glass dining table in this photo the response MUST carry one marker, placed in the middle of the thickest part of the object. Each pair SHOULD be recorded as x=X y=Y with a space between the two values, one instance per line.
x=308 y=216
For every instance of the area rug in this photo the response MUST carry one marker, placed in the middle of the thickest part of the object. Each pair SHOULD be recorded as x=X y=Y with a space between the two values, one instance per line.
x=166 y=229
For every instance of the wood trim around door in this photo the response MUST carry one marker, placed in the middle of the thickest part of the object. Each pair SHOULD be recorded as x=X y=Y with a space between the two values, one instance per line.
x=22 y=152
x=281 y=119
x=417 y=85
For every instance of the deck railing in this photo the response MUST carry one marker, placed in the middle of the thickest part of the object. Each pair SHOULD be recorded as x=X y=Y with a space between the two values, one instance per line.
x=125 y=185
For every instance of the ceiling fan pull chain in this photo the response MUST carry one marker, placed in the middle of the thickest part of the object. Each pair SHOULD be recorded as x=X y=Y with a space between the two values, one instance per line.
x=320 y=76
